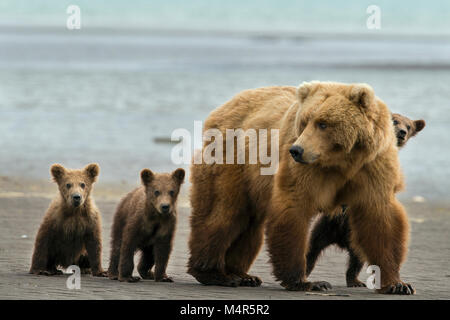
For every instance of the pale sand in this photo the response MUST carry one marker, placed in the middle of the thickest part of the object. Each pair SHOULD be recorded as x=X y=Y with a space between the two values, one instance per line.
x=23 y=204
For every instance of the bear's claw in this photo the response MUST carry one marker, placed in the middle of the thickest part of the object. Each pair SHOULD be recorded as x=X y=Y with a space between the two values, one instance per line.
x=307 y=286
x=250 y=281
x=399 y=288
x=355 y=283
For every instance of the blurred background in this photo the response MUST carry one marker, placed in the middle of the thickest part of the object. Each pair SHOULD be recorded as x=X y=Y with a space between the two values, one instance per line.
x=137 y=70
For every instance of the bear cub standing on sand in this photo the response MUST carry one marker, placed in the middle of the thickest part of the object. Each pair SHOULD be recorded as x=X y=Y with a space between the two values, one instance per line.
x=145 y=220
x=335 y=229
x=70 y=233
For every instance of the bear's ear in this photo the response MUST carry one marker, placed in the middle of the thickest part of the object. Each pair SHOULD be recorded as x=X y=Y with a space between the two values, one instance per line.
x=304 y=90
x=420 y=124
x=362 y=95
x=57 y=172
x=92 y=170
x=147 y=176
x=178 y=175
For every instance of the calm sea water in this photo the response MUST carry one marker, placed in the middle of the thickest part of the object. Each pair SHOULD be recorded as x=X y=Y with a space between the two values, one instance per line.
x=133 y=73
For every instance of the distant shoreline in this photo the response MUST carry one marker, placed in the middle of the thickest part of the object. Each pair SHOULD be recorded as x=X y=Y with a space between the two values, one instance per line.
x=264 y=35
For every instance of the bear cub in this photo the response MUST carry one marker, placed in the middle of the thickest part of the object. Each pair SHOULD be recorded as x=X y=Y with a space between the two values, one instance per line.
x=335 y=229
x=70 y=233
x=145 y=220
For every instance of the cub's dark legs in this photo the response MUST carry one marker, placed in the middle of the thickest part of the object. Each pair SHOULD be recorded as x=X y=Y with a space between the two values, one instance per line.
x=83 y=263
x=322 y=236
x=354 y=268
x=146 y=263
x=43 y=262
x=126 y=263
x=116 y=243
x=162 y=249
x=94 y=251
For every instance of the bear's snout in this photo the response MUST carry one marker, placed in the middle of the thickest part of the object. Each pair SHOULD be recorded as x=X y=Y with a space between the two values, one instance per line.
x=297 y=153
x=165 y=208
x=76 y=199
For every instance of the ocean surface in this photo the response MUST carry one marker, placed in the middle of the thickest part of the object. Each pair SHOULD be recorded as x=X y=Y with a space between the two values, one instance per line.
x=135 y=73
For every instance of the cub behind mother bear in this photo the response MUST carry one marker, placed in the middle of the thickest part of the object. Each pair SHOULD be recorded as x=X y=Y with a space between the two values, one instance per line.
x=337 y=146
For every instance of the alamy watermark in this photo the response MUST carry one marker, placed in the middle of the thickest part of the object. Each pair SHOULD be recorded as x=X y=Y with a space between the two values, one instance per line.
x=234 y=151
x=374 y=19
x=74 y=280
x=374 y=280
x=74 y=20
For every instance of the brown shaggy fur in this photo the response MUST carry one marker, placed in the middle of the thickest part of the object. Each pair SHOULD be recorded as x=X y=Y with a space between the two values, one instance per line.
x=145 y=220
x=348 y=156
x=70 y=233
x=334 y=229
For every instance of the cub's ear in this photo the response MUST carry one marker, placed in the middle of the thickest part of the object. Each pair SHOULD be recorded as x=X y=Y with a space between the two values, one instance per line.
x=420 y=124
x=92 y=170
x=178 y=175
x=362 y=95
x=304 y=90
x=147 y=176
x=57 y=172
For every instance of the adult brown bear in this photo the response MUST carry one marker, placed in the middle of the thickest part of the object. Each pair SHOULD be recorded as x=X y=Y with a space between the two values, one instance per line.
x=337 y=146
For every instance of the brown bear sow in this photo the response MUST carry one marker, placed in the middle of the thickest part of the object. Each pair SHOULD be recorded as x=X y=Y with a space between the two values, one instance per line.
x=145 y=220
x=334 y=229
x=336 y=146
x=71 y=231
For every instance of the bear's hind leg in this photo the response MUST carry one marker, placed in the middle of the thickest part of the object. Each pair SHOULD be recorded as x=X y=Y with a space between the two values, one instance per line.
x=146 y=263
x=208 y=246
x=243 y=251
x=354 y=268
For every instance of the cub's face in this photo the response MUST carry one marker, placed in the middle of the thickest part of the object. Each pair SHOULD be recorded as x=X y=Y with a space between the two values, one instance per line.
x=406 y=128
x=75 y=185
x=162 y=189
x=330 y=119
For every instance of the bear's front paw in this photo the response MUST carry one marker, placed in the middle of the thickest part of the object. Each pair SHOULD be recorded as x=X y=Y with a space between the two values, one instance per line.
x=164 y=279
x=398 y=288
x=355 y=283
x=149 y=275
x=250 y=281
x=113 y=276
x=100 y=274
x=307 y=286
x=47 y=272
x=85 y=270
x=129 y=279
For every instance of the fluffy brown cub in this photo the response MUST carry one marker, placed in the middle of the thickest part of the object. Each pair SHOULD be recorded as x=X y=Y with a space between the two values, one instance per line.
x=145 y=220
x=406 y=128
x=70 y=233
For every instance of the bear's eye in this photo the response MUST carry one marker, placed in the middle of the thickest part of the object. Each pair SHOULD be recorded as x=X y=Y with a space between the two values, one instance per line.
x=68 y=186
x=171 y=193
x=322 y=125
x=82 y=185
x=157 y=193
x=395 y=122
x=408 y=127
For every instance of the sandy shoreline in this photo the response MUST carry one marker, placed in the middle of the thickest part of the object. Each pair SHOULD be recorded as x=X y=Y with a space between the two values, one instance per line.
x=23 y=204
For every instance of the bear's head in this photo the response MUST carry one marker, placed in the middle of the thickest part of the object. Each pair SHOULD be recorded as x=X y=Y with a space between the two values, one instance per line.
x=162 y=189
x=406 y=128
x=335 y=122
x=75 y=185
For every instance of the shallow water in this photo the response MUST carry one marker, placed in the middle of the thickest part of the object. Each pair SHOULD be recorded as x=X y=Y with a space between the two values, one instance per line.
x=101 y=95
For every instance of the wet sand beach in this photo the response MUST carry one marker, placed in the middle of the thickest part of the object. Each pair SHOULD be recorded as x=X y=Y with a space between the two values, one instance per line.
x=23 y=204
